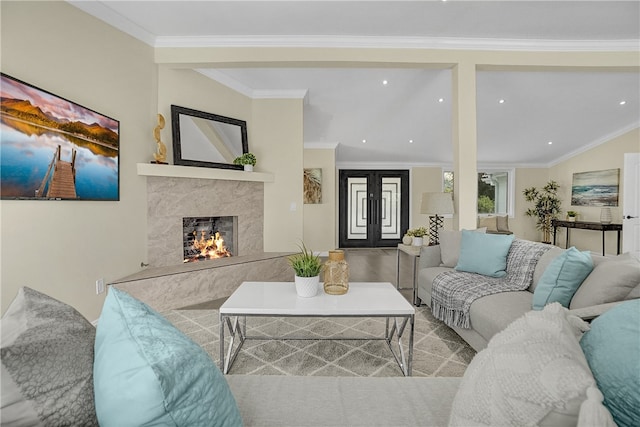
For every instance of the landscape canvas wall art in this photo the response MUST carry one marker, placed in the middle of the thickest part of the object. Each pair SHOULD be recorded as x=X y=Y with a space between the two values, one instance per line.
x=595 y=188
x=54 y=149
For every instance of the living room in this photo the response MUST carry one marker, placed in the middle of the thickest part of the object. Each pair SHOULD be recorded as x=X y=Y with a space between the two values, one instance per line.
x=61 y=248
x=76 y=243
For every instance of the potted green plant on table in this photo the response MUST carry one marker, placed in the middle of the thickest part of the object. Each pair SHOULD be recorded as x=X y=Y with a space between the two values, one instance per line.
x=546 y=207
x=418 y=235
x=248 y=160
x=307 y=268
x=572 y=215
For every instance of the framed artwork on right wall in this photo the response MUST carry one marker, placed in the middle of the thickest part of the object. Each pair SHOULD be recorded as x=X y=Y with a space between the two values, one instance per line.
x=595 y=188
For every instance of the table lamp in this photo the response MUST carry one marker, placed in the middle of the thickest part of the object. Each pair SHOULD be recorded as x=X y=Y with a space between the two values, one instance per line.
x=435 y=205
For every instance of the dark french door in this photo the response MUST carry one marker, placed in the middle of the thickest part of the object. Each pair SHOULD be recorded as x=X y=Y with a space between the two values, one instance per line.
x=374 y=207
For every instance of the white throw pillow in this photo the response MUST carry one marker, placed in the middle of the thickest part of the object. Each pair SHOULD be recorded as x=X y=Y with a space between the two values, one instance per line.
x=450 y=245
x=532 y=373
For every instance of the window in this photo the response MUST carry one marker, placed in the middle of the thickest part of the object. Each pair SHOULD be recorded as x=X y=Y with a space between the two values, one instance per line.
x=495 y=190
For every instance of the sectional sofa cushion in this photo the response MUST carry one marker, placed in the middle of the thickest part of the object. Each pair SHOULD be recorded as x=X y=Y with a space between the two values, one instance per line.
x=47 y=363
x=490 y=314
x=450 y=245
x=502 y=223
x=612 y=348
x=542 y=265
x=147 y=372
x=484 y=253
x=303 y=401
x=489 y=222
x=532 y=373
x=611 y=280
x=562 y=278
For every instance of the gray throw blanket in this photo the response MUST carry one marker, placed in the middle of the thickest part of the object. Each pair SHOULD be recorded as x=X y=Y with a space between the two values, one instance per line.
x=453 y=291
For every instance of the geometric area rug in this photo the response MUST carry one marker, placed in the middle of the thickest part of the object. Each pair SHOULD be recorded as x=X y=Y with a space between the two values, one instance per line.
x=437 y=350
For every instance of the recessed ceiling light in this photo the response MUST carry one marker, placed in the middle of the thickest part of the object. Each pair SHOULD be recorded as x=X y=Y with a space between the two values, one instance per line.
x=364 y=141
x=384 y=82
x=623 y=102
x=501 y=101
x=411 y=141
x=441 y=100
x=550 y=142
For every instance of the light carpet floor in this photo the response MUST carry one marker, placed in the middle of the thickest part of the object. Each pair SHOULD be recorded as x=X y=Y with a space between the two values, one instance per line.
x=438 y=351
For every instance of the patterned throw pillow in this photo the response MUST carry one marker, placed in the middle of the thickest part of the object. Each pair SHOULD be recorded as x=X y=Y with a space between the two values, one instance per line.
x=47 y=363
x=531 y=373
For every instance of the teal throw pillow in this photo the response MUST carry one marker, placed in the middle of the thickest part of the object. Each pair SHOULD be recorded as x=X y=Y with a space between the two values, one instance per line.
x=484 y=253
x=147 y=372
x=612 y=349
x=562 y=278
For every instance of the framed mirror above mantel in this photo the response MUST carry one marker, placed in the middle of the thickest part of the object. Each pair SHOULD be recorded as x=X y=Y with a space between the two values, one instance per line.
x=207 y=140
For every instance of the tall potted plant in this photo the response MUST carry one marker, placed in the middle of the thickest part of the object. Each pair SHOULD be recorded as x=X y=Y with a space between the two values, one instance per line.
x=307 y=268
x=546 y=207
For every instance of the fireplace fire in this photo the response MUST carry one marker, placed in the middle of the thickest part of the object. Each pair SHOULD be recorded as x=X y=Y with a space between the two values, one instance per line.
x=208 y=238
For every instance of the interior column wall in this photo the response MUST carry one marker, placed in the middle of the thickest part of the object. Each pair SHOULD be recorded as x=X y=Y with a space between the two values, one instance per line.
x=278 y=144
x=465 y=171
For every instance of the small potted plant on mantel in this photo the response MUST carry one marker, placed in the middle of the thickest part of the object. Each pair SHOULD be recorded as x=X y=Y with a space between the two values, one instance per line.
x=418 y=235
x=307 y=268
x=248 y=160
x=572 y=215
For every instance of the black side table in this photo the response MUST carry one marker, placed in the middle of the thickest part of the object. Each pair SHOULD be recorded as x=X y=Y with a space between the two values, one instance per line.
x=585 y=225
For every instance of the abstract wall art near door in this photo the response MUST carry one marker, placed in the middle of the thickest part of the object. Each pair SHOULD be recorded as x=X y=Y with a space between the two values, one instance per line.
x=312 y=186
x=55 y=149
x=595 y=188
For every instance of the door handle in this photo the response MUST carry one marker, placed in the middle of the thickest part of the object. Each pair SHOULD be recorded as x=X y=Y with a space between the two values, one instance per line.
x=629 y=217
x=376 y=211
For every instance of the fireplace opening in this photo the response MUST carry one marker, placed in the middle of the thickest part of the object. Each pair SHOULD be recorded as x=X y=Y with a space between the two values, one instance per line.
x=207 y=238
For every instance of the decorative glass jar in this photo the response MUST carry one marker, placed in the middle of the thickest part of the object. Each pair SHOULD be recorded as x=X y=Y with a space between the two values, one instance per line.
x=605 y=216
x=336 y=274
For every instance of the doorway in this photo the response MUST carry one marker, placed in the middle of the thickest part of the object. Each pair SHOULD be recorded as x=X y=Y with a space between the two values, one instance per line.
x=373 y=207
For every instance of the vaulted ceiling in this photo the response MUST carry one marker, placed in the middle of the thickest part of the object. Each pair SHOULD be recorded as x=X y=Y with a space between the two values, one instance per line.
x=404 y=114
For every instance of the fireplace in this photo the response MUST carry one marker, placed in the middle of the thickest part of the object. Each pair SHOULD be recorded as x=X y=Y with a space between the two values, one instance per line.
x=206 y=238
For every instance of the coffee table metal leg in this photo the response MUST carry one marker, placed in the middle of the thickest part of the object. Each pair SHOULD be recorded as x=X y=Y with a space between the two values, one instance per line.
x=237 y=329
x=397 y=330
x=221 y=333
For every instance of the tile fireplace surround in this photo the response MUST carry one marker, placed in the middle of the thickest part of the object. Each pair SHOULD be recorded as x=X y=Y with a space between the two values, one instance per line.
x=174 y=192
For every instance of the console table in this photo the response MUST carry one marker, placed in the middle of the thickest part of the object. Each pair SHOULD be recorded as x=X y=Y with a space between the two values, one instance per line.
x=585 y=225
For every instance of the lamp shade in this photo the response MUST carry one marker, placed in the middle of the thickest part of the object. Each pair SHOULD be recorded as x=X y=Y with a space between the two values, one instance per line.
x=436 y=204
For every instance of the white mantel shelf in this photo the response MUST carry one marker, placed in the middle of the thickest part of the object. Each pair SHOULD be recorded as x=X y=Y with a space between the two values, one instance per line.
x=173 y=171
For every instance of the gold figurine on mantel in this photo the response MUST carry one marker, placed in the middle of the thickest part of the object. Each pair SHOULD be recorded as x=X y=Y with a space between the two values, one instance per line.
x=161 y=154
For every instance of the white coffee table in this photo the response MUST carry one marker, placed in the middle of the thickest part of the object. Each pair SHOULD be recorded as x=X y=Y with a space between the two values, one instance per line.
x=279 y=299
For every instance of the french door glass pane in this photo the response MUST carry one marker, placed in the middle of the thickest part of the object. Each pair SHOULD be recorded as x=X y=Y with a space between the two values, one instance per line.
x=357 y=208
x=390 y=208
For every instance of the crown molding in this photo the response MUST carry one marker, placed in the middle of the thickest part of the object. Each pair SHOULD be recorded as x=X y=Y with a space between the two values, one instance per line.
x=234 y=84
x=595 y=143
x=100 y=11
x=321 y=145
x=400 y=43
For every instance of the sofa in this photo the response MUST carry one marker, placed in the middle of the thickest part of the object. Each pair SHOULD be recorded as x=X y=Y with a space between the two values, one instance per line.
x=609 y=281
x=136 y=369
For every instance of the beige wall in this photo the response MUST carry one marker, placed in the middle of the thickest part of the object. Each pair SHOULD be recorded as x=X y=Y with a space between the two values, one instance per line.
x=320 y=220
x=605 y=156
x=190 y=89
x=424 y=180
x=278 y=144
x=62 y=247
